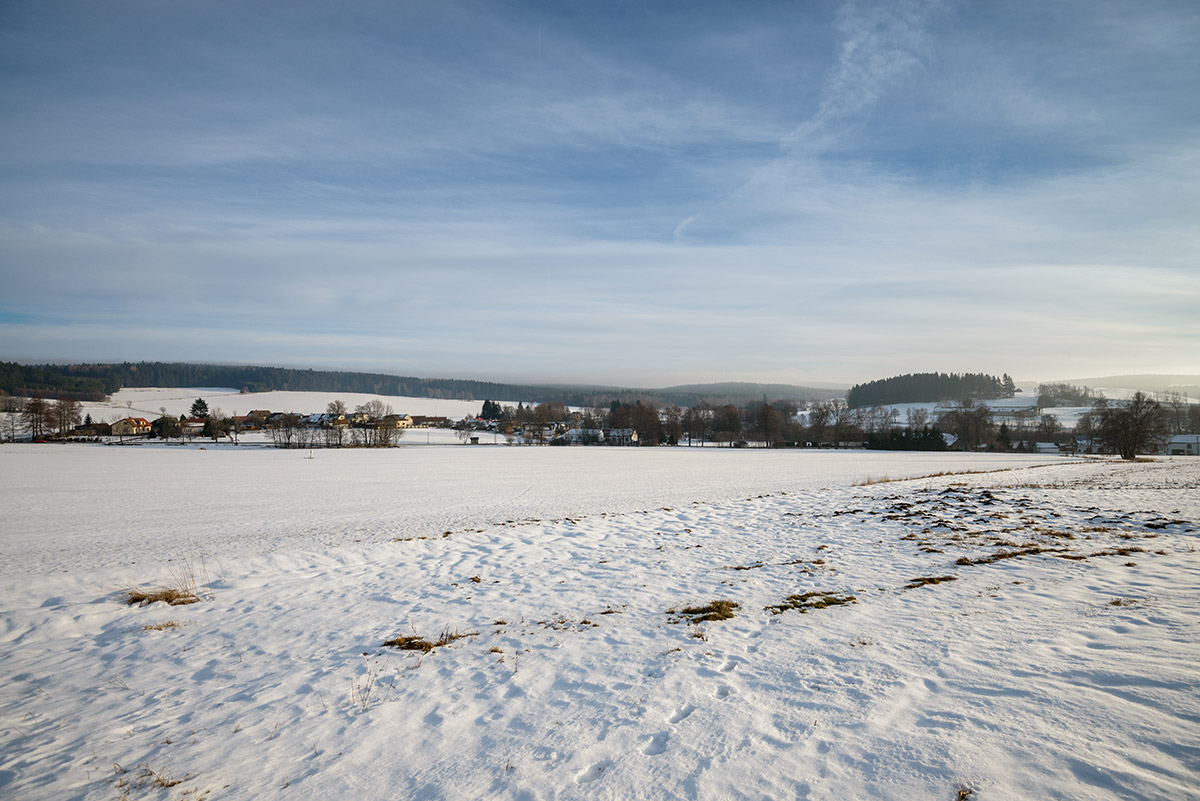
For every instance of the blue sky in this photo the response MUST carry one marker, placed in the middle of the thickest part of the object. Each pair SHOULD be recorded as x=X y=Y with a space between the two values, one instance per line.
x=604 y=192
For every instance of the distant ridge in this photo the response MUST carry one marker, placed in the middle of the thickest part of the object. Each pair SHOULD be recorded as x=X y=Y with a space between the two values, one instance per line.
x=95 y=381
x=1152 y=382
x=748 y=390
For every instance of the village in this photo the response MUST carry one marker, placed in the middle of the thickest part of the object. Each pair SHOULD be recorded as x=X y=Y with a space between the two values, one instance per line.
x=968 y=426
x=372 y=425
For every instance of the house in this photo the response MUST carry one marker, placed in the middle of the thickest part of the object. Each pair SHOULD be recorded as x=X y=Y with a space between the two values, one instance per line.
x=396 y=421
x=583 y=436
x=620 y=436
x=92 y=430
x=1183 y=445
x=192 y=426
x=1079 y=444
x=131 y=427
x=427 y=421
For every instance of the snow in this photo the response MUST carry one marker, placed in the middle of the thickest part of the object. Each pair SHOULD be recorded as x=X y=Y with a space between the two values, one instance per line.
x=149 y=402
x=1036 y=676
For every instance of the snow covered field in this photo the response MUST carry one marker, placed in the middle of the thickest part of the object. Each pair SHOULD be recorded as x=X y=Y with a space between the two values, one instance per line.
x=1060 y=662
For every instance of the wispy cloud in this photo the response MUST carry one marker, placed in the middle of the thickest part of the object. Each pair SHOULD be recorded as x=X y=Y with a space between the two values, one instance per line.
x=878 y=45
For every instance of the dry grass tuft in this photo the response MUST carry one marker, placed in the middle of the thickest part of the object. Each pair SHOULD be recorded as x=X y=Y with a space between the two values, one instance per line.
x=146 y=776
x=713 y=610
x=174 y=596
x=187 y=577
x=416 y=643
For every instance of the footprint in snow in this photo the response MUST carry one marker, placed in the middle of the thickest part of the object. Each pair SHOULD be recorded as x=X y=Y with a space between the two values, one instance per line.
x=682 y=713
x=594 y=772
x=657 y=745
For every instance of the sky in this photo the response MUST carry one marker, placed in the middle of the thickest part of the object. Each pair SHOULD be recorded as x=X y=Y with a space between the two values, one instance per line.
x=612 y=192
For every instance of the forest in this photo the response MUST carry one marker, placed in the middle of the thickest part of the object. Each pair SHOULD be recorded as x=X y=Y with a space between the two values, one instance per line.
x=929 y=387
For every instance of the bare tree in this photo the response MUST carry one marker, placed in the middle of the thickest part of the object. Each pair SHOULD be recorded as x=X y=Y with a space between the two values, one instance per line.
x=65 y=415
x=1175 y=408
x=13 y=408
x=285 y=430
x=819 y=416
x=334 y=433
x=770 y=425
x=374 y=409
x=672 y=424
x=1137 y=426
x=843 y=421
x=971 y=422
x=727 y=423
x=1048 y=428
x=36 y=416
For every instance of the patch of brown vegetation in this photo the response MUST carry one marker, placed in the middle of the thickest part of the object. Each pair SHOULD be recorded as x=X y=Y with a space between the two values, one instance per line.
x=161 y=626
x=811 y=600
x=923 y=580
x=996 y=557
x=1119 y=551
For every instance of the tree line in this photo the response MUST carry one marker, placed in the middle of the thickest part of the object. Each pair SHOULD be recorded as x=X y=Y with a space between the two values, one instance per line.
x=1056 y=395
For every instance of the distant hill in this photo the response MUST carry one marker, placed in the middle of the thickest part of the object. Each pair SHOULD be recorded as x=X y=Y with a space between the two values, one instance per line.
x=1160 y=383
x=926 y=387
x=734 y=391
x=96 y=381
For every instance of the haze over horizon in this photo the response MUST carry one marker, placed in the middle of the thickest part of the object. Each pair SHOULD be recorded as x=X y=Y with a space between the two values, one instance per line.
x=830 y=192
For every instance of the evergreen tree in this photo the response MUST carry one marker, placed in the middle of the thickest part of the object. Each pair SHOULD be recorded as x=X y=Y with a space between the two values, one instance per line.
x=199 y=409
x=491 y=410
